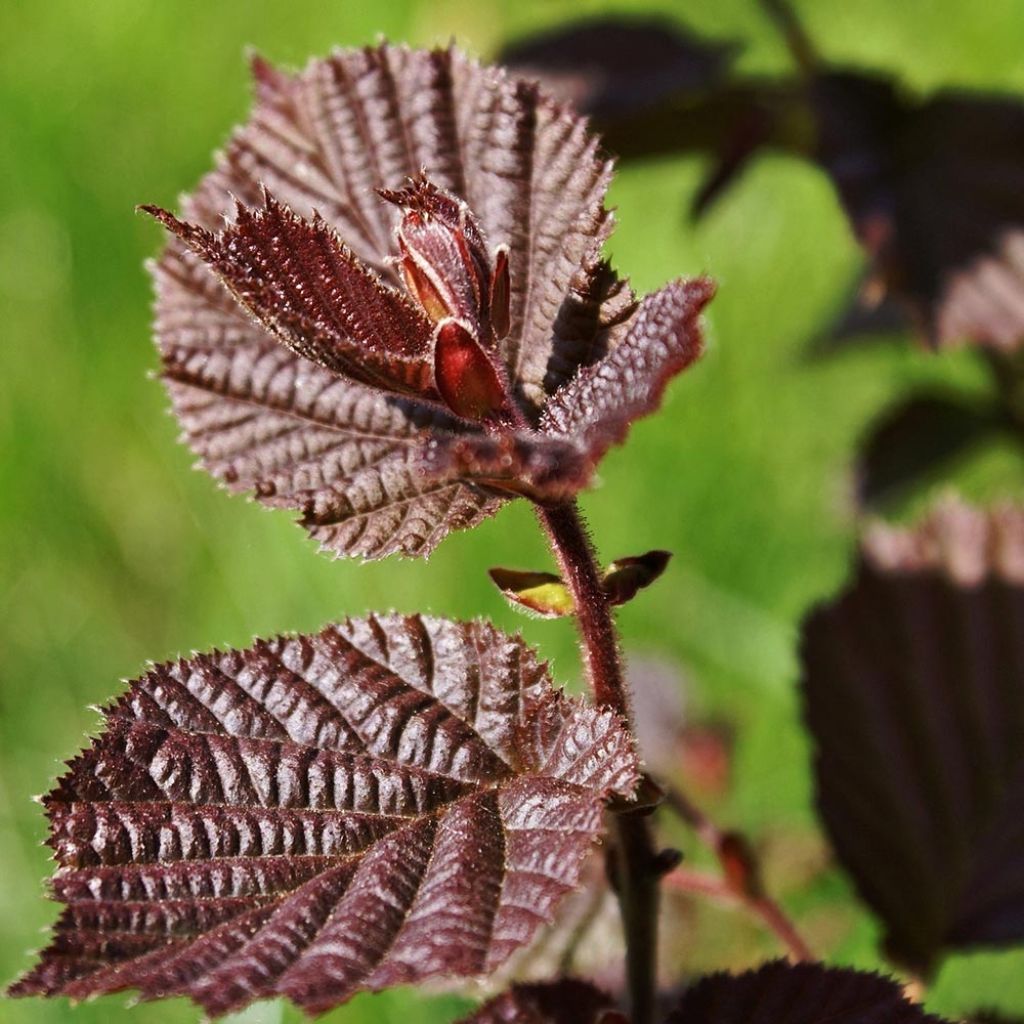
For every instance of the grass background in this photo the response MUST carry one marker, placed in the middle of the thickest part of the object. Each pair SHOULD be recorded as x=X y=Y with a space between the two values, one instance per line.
x=114 y=552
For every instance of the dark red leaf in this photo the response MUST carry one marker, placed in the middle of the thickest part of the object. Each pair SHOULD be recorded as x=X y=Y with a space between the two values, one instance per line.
x=301 y=282
x=565 y=1001
x=784 y=993
x=913 y=683
x=612 y=67
x=262 y=419
x=915 y=440
x=389 y=800
x=506 y=232
x=930 y=188
x=598 y=406
x=363 y=120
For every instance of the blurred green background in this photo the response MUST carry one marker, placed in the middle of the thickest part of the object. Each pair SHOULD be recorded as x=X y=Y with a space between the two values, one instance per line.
x=115 y=552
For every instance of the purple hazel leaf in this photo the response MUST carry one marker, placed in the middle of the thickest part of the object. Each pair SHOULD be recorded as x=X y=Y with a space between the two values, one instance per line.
x=390 y=800
x=914 y=440
x=442 y=255
x=445 y=290
x=913 y=686
x=598 y=406
x=301 y=282
x=564 y=1001
x=784 y=993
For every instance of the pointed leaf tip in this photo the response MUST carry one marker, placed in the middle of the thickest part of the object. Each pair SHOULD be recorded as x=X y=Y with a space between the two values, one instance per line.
x=664 y=338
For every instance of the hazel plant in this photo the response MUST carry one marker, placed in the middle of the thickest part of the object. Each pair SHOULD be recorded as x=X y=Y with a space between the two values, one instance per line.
x=387 y=308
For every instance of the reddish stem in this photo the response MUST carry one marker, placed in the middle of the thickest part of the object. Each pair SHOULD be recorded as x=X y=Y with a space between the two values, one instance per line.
x=743 y=887
x=633 y=860
x=702 y=883
x=578 y=562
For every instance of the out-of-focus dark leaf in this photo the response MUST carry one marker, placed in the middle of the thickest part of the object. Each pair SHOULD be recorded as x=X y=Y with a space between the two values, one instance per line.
x=933 y=187
x=390 y=800
x=612 y=67
x=784 y=993
x=915 y=439
x=565 y=1001
x=500 y=251
x=913 y=683
x=935 y=192
x=658 y=692
x=863 y=318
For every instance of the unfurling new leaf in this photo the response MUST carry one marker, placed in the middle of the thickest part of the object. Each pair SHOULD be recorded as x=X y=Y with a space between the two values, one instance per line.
x=395 y=339
x=546 y=595
x=390 y=800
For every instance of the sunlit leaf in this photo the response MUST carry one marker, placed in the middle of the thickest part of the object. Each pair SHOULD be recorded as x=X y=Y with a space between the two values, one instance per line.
x=546 y=595
x=389 y=800
x=784 y=993
x=430 y=233
x=301 y=282
x=542 y=593
x=913 y=683
x=301 y=437
x=597 y=407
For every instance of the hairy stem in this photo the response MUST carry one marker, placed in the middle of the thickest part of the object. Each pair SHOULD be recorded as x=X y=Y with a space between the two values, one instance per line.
x=578 y=562
x=742 y=881
x=634 y=866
